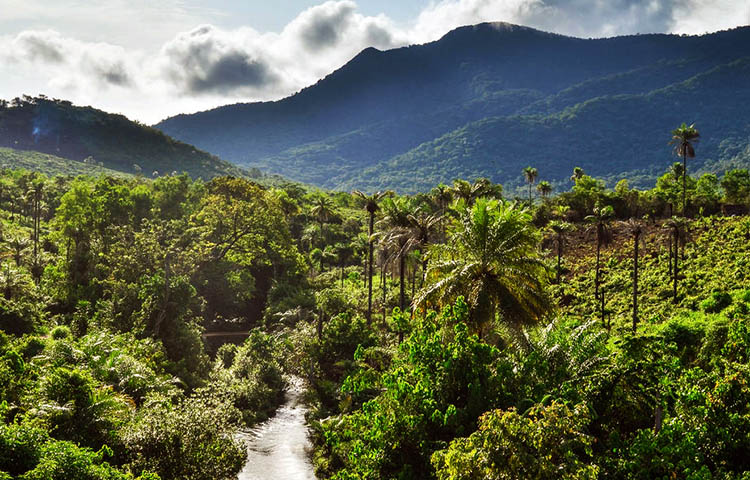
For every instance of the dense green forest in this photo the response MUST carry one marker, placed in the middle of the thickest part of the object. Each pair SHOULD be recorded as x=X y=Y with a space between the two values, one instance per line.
x=455 y=334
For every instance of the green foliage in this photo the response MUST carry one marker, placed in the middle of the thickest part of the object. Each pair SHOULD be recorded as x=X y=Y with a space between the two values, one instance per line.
x=192 y=440
x=717 y=302
x=548 y=442
x=437 y=387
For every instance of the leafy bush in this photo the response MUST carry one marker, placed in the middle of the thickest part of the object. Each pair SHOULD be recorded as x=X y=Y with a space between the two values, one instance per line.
x=192 y=441
x=717 y=302
x=547 y=443
x=60 y=332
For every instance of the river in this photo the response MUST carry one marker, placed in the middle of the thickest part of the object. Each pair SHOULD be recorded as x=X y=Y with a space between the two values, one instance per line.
x=277 y=449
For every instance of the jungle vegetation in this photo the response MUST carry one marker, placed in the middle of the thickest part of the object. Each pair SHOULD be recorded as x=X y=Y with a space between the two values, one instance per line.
x=460 y=333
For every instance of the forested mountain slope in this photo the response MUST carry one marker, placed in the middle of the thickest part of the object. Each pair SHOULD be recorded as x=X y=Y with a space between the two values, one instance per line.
x=485 y=99
x=59 y=128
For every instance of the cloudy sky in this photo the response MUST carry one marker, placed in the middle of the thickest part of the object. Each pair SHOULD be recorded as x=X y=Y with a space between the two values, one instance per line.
x=149 y=60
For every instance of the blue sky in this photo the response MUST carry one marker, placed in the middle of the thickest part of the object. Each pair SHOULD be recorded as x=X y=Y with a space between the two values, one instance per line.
x=149 y=59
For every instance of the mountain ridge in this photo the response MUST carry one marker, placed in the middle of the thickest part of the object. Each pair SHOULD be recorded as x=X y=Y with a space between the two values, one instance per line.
x=385 y=104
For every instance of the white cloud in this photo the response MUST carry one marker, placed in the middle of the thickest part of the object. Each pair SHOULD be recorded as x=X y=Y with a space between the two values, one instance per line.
x=206 y=66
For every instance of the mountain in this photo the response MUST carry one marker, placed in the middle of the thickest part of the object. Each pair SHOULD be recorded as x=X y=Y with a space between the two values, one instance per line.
x=489 y=99
x=58 y=128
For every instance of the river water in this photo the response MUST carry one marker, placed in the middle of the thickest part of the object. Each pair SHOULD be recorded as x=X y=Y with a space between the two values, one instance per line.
x=277 y=449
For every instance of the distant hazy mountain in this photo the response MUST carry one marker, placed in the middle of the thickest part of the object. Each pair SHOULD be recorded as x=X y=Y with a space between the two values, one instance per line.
x=489 y=99
x=58 y=128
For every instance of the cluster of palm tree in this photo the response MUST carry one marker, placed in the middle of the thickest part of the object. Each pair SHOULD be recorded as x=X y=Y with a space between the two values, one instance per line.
x=463 y=241
x=469 y=242
x=530 y=174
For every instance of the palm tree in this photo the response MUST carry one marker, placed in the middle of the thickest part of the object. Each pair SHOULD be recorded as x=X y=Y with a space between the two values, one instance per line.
x=423 y=231
x=544 y=188
x=530 y=174
x=578 y=174
x=600 y=220
x=684 y=138
x=481 y=187
x=442 y=196
x=371 y=206
x=324 y=211
x=397 y=235
x=677 y=227
x=36 y=193
x=635 y=229
x=18 y=244
x=559 y=228
x=492 y=259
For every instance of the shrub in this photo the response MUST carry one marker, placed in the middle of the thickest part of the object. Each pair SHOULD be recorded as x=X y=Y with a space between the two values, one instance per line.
x=717 y=302
x=60 y=332
x=193 y=440
x=548 y=443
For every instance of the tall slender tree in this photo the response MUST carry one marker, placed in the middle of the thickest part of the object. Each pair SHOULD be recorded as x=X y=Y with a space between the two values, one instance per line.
x=635 y=229
x=600 y=220
x=559 y=229
x=371 y=204
x=684 y=139
x=530 y=174
x=442 y=197
x=396 y=233
x=423 y=231
x=544 y=188
x=676 y=227
x=324 y=211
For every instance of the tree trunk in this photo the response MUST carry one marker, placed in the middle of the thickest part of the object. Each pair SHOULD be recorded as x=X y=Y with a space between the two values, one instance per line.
x=402 y=291
x=369 y=271
x=676 y=269
x=635 y=283
x=684 y=183
x=383 y=283
x=669 y=265
x=598 y=257
x=559 y=258
x=320 y=325
x=413 y=280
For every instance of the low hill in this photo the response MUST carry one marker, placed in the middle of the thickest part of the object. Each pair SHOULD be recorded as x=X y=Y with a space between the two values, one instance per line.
x=486 y=99
x=50 y=164
x=58 y=128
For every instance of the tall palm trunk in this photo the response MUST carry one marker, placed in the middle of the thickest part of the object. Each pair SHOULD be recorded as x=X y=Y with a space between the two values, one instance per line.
x=676 y=269
x=383 y=284
x=559 y=258
x=684 y=184
x=635 y=281
x=369 y=270
x=598 y=259
x=669 y=265
x=402 y=291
